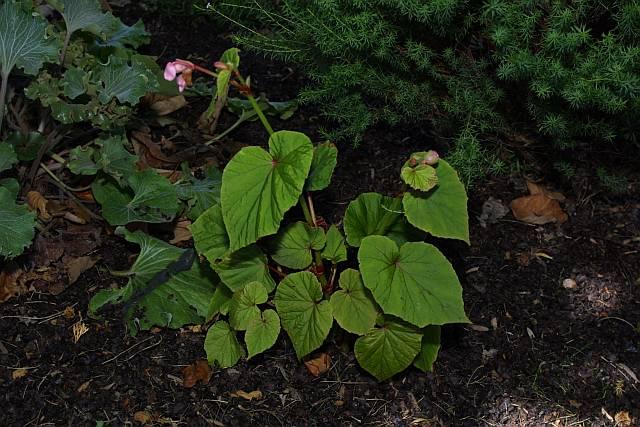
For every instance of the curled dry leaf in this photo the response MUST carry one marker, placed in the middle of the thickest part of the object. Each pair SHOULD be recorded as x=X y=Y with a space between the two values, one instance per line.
x=181 y=232
x=318 y=365
x=37 y=202
x=623 y=419
x=197 y=372
x=19 y=373
x=163 y=105
x=9 y=285
x=143 y=417
x=541 y=207
x=256 y=394
x=69 y=313
x=76 y=266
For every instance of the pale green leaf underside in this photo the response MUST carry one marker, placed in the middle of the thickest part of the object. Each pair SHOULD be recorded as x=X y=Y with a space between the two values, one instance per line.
x=222 y=346
x=335 y=250
x=386 y=350
x=420 y=177
x=429 y=348
x=23 y=41
x=353 y=306
x=415 y=283
x=325 y=159
x=244 y=305
x=262 y=333
x=16 y=225
x=258 y=187
x=443 y=210
x=305 y=315
x=292 y=247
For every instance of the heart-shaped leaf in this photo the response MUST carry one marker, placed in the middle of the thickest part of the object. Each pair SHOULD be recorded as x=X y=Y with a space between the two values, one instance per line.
x=258 y=187
x=353 y=306
x=262 y=332
x=23 y=40
x=443 y=210
x=429 y=348
x=220 y=302
x=244 y=305
x=415 y=283
x=420 y=177
x=209 y=235
x=335 y=250
x=370 y=214
x=305 y=315
x=222 y=346
x=292 y=247
x=244 y=266
x=8 y=156
x=126 y=82
x=388 y=349
x=325 y=158
x=16 y=225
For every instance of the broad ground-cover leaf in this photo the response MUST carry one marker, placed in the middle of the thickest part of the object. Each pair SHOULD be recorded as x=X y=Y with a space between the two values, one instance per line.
x=200 y=194
x=182 y=299
x=74 y=82
x=12 y=185
x=292 y=246
x=209 y=234
x=258 y=187
x=126 y=82
x=414 y=282
x=262 y=332
x=114 y=159
x=8 y=156
x=16 y=225
x=220 y=302
x=335 y=250
x=222 y=346
x=305 y=315
x=82 y=14
x=150 y=198
x=370 y=214
x=388 y=348
x=244 y=266
x=23 y=41
x=81 y=161
x=26 y=145
x=443 y=210
x=429 y=348
x=325 y=158
x=244 y=305
x=353 y=306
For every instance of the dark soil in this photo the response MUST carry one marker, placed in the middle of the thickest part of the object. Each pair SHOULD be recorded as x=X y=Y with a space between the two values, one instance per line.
x=539 y=353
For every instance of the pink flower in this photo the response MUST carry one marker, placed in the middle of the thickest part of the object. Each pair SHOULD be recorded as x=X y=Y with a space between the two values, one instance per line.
x=174 y=70
x=431 y=158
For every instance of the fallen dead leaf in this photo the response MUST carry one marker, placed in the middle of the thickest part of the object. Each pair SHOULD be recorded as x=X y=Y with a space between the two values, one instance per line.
x=164 y=105
x=479 y=328
x=181 y=232
x=569 y=284
x=492 y=210
x=143 y=417
x=538 y=209
x=538 y=189
x=197 y=372
x=19 y=373
x=84 y=386
x=318 y=365
x=69 y=313
x=76 y=266
x=256 y=394
x=9 y=284
x=623 y=419
x=37 y=202
x=150 y=153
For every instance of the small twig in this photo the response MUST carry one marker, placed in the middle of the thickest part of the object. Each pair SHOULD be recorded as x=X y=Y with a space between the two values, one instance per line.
x=59 y=181
x=127 y=350
x=312 y=210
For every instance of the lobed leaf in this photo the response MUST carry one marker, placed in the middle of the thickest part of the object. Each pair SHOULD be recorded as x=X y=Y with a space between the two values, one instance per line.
x=222 y=346
x=262 y=332
x=353 y=306
x=292 y=247
x=17 y=225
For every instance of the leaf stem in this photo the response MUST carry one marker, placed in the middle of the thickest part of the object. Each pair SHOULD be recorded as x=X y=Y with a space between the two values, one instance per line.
x=319 y=265
x=3 y=95
x=254 y=104
x=67 y=39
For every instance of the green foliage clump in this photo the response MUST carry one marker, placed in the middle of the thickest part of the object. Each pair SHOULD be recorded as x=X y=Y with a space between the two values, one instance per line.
x=471 y=69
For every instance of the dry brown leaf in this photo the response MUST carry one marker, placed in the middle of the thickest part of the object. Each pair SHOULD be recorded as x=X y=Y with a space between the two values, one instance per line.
x=69 y=313
x=538 y=209
x=37 y=202
x=538 y=189
x=623 y=419
x=256 y=394
x=9 y=284
x=163 y=105
x=79 y=329
x=76 y=266
x=318 y=365
x=143 y=417
x=84 y=386
x=151 y=154
x=181 y=232
x=197 y=372
x=19 y=373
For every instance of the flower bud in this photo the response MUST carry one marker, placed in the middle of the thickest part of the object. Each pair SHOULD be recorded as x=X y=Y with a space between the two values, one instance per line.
x=431 y=158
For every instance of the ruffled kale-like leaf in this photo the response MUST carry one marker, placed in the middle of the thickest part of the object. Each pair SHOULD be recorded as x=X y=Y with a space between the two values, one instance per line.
x=414 y=282
x=82 y=15
x=388 y=349
x=222 y=346
x=200 y=194
x=16 y=225
x=305 y=315
x=74 y=82
x=292 y=247
x=258 y=187
x=23 y=40
x=81 y=161
x=119 y=35
x=128 y=82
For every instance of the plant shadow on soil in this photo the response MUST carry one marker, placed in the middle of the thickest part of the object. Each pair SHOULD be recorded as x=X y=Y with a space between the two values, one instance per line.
x=544 y=355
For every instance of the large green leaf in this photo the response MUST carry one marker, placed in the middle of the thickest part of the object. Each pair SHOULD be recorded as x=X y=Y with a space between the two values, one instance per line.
x=8 y=156
x=325 y=158
x=429 y=348
x=26 y=145
x=183 y=299
x=335 y=250
x=370 y=214
x=258 y=187
x=292 y=247
x=16 y=225
x=210 y=236
x=353 y=306
x=12 y=185
x=262 y=333
x=222 y=346
x=244 y=266
x=244 y=305
x=220 y=301
x=305 y=315
x=151 y=198
x=388 y=349
x=74 y=82
x=124 y=81
x=443 y=210
x=114 y=159
x=415 y=283
x=118 y=35
x=81 y=161
x=82 y=15
x=23 y=40
x=200 y=194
